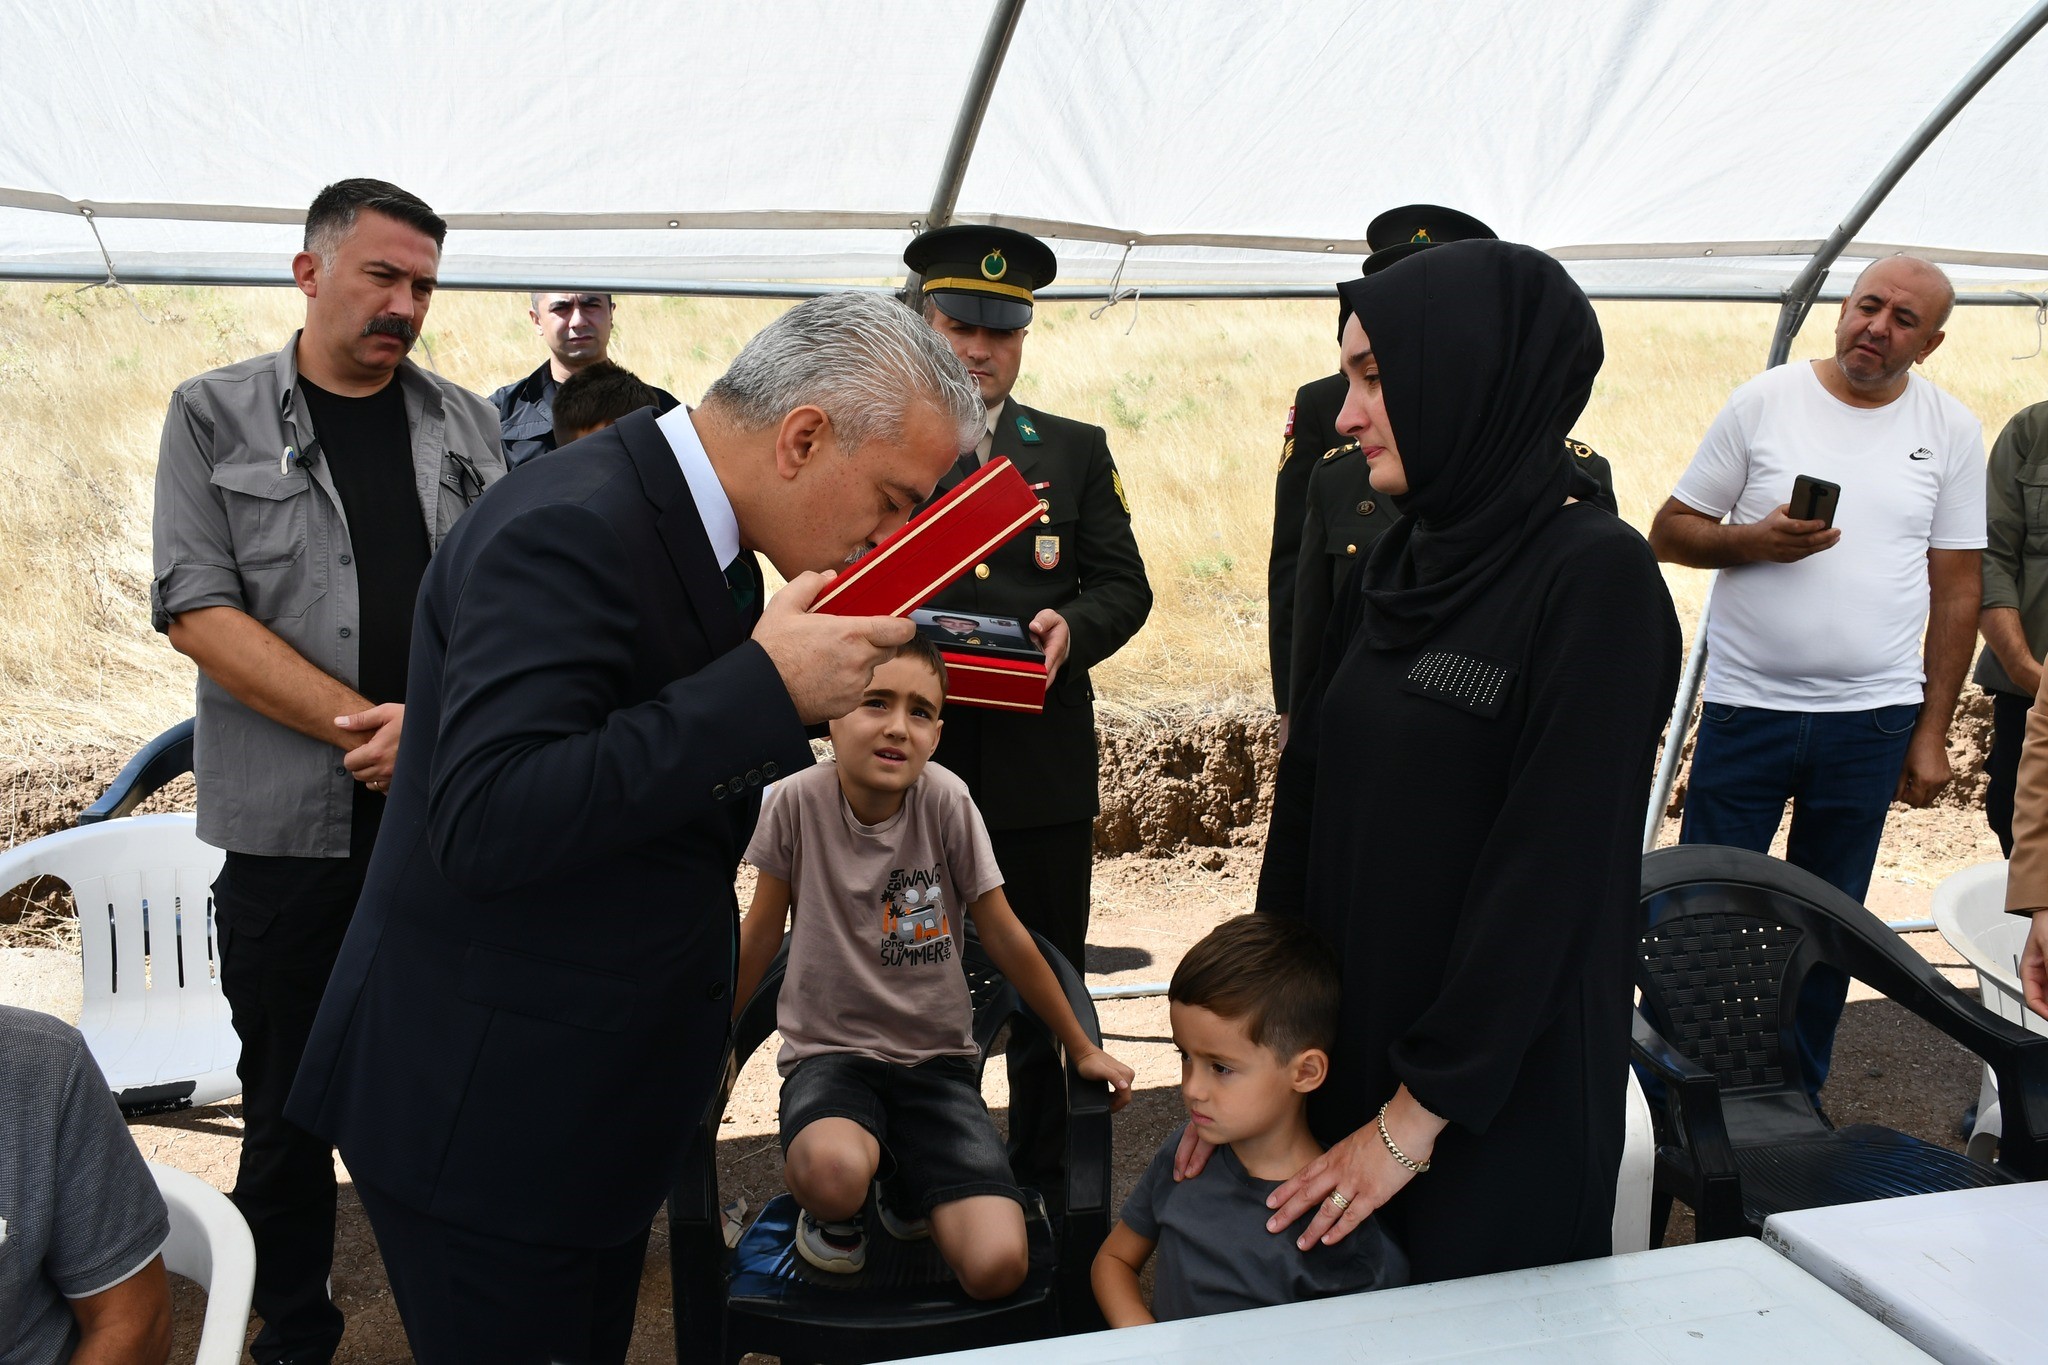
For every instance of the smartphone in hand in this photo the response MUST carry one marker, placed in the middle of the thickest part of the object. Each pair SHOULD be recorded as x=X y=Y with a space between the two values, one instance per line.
x=1814 y=500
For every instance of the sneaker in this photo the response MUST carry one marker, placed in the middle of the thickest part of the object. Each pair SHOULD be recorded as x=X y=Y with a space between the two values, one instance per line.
x=839 y=1248
x=896 y=1225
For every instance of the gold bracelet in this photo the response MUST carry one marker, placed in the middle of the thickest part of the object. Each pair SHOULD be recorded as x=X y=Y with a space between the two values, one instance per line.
x=1419 y=1167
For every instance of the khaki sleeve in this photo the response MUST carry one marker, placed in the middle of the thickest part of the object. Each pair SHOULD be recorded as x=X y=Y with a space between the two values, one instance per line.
x=2026 y=877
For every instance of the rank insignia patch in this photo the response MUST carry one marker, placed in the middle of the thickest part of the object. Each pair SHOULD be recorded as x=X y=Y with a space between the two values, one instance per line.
x=1116 y=481
x=1045 y=552
x=1027 y=433
x=1286 y=452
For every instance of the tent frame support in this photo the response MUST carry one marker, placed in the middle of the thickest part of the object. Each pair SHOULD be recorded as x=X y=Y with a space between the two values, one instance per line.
x=1799 y=296
x=981 y=87
x=1798 y=300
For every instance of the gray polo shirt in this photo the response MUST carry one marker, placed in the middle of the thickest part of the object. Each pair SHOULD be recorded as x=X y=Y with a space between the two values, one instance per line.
x=1215 y=1255
x=247 y=517
x=79 y=1210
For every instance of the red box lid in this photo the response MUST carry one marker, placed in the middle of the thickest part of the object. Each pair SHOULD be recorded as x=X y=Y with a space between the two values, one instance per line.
x=935 y=547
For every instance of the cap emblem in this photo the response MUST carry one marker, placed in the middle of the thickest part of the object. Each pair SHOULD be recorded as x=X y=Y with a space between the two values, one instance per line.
x=1422 y=235
x=993 y=266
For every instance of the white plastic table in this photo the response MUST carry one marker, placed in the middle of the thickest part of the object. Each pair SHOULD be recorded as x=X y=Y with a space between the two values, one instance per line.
x=1963 y=1275
x=1721 y=1301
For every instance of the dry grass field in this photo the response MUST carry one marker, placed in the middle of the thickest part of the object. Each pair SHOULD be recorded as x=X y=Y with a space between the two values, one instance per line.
x=1192 y=396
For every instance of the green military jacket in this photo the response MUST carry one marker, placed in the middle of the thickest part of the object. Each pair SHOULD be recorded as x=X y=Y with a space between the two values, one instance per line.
x=1080 y=559
x=1311 y=430
x=2016 y=536
x=1342 y=516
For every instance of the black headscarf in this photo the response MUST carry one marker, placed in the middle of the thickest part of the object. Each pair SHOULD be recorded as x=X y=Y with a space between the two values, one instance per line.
x=1486 y=353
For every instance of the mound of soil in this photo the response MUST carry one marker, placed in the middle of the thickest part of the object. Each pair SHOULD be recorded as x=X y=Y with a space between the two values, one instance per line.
x=1199 y=778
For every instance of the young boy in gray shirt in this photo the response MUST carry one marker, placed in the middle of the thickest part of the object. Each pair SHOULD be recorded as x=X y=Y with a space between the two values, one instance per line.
x=880 y=859
x=1254 y=1010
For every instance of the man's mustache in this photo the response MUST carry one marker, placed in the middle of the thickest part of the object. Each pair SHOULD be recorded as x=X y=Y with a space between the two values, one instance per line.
x=391 y=326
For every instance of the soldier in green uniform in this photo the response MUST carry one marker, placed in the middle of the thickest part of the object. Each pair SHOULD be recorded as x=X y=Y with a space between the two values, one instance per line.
x=1076 y=579
x=1322 y=494
x=1309 y=437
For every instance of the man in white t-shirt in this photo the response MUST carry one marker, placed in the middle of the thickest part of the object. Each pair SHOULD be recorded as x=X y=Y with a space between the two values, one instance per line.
x=1818 y=689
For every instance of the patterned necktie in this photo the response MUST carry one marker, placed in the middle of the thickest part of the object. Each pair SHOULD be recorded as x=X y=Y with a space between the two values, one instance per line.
x=742 y=576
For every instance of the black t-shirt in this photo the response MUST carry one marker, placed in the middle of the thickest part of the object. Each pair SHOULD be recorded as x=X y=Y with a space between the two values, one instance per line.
x=369 y=456
x=368 y=450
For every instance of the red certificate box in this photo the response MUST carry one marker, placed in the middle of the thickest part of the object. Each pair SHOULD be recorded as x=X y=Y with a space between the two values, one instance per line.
x=935 y=547
x=997 y=684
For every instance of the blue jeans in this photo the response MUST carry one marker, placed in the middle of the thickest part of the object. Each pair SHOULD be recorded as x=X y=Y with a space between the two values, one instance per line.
x=1839 y=770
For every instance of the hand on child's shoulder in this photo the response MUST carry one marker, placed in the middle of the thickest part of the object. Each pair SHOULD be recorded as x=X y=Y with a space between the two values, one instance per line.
x=1100 y=1066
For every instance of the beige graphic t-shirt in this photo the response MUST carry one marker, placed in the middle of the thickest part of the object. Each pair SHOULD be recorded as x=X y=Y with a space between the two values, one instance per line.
x=874 y=954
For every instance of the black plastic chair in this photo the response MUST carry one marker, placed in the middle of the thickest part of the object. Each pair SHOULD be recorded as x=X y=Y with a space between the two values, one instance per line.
x=763 y=1297
x=155 y=764
x=1729 y=938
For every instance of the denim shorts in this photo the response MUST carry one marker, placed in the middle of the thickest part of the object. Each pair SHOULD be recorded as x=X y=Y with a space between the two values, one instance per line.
x=938 y=1142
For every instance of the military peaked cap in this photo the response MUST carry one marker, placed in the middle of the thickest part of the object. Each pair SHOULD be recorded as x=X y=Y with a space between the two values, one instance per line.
x=1406 y=230
x=982 y=276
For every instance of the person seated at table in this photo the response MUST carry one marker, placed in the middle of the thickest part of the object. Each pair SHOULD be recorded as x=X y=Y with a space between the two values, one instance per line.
x=82 y=1225
x=595 y=397
x=875 y=856
x=1254 y=1011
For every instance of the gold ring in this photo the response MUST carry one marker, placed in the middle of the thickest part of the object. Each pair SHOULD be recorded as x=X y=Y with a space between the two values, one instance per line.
x=1340 y=1201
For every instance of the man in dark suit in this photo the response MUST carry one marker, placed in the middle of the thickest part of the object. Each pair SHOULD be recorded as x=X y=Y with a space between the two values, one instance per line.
x=531 y=1003
x=1325 y=515
x=1076 y=580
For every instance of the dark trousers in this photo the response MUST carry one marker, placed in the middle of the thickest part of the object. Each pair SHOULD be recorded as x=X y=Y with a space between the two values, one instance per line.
x=1047 y=874
x=2002 y=764
x=467 y=1296
x=1839 y=769
x=281 y=922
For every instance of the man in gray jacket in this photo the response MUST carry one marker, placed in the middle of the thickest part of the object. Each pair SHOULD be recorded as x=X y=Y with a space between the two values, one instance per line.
x=298 y=497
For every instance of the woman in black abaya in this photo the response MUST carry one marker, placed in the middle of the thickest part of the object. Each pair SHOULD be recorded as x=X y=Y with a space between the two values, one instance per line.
x=1460 y=805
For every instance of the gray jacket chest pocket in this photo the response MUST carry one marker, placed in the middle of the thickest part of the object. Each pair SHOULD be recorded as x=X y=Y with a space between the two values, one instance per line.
x=269 y=520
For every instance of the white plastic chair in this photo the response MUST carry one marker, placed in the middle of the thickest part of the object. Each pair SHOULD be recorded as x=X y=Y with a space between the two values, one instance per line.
x=1635 y=1187
x=210 y=1246
x=153 y=1011
x=1969 y=909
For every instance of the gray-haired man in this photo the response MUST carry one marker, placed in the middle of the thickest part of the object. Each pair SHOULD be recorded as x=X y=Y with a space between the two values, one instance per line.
x=531 y=1006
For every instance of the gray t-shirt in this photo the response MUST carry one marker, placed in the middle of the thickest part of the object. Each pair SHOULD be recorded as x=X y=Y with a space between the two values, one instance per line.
x=1215 y=1255
x=80 y=1211
x=874 y=960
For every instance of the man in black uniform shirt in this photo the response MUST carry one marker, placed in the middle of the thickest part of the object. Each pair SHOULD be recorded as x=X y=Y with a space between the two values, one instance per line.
x=1076 y=580
x=578 y=331
x=1325 y=515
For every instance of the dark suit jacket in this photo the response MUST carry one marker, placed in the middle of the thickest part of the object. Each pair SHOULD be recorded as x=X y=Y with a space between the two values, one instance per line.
x=531 y=1003
x=1081 y=559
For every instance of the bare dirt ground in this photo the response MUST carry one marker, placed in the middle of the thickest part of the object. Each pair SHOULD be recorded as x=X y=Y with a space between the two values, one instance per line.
x=1202 y=800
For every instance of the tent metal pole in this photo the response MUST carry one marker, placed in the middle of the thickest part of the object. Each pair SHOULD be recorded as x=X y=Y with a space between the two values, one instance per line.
x=1800 y=295
x=995 y=45
x=1681 y=722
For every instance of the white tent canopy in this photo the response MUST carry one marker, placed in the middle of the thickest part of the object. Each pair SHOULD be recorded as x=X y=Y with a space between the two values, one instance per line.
x=1661 y=147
